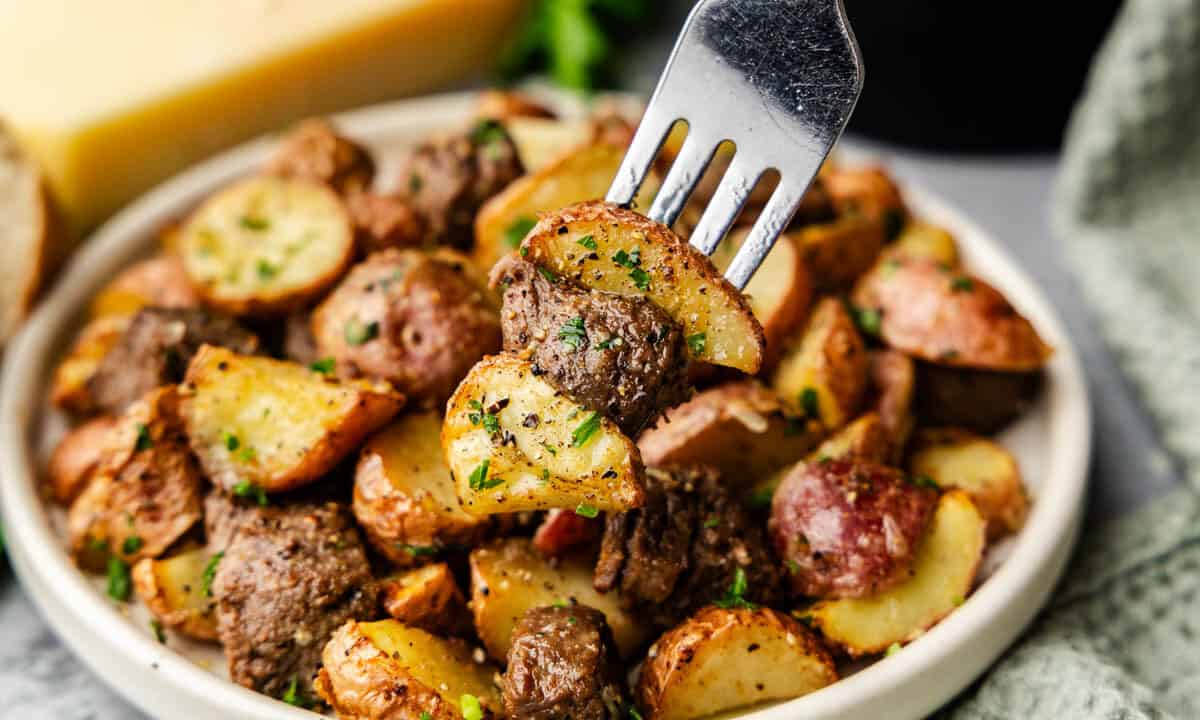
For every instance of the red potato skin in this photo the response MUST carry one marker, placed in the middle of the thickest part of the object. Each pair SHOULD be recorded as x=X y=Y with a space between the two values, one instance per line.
x=848 y=528
x=563 y=530
x=949 y=317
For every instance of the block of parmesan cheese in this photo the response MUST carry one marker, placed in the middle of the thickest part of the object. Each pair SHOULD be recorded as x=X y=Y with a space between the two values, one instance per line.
x=113 y=96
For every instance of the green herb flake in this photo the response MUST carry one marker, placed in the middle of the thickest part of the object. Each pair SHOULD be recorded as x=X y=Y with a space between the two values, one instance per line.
x=793 y=567
x=230 y=441
x=491 y=423
x=324 y=366
x=548 y=274
x=761 y=498
x=634 y=714
x=210 y=572
x=247 y=489
x=588 y=242
x=419 y=550
x=892 y=649
x=517 y=230
x=810 y=403
x=924 y=481
x=471 y=709
x=868 y=320
x=962 y=283
x=426 y=716
x=119 y=583
x=612 y=341
x=144 y=441
x=735 y=596
x=479 y=478
x=265 y=269
x=358 y=333
x=550 y=449
x=545 y=475
x=572 y=333
x=958 y=600
x=132 y=544
x=712 y=522
x=247 y=454
x=414 y=183
x=571 y=620
x=255 y=224
x=589 y=427
x=622 y=258
x=560 y=603
x=640 y=278
x=157 y=628
x=487 y=131
x=293 y=696
x=587 y=511
x=697 y=343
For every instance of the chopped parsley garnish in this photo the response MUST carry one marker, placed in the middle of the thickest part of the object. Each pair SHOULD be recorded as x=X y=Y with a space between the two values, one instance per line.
x=119 y=584
x=869 y=320
x=571 y=620
x=144 y=441
x=761 y=498
x=479 y=478
x=517 y=230
x=132 y=544
x=550 y=449
x=545 y=475
x=426 y=716
x=491 y=423
x=414 y=183
x=419 y=550
x=157 y=628
x=323 y=366
x=257 y=224
x=247 y=489
x=471 y=709
x=247 y=454
x=210 y=572
x=560 y=603
x=962 y=283
x=958 y=600
x=926 y=481
x=697 y=343
x=293 y=696
x=611 y=341
x=572 y=333
x=265 y=269
x=634 y=714
x=487 y=132
x=793 y=567
x=641 y=278
x=357 y=332
x=230 y=440
x=547 y=273
x=622 y=258
x=712 y=522
x=587 y=511
x=588 y=242
x=892 y=649
x=582 y=434
x=735 y=596
x=810 y=403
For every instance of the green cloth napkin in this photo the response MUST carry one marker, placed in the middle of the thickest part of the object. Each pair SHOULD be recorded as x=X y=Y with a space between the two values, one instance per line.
x=1121 y=637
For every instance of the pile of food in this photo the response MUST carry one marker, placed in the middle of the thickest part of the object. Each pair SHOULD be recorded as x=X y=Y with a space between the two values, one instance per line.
x=483 y=446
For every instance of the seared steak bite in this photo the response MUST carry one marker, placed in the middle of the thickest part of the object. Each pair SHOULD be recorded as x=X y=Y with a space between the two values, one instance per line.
x=621 y=356
x=314 y=151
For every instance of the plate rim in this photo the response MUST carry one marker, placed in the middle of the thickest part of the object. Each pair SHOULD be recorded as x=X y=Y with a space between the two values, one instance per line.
x=934 y=668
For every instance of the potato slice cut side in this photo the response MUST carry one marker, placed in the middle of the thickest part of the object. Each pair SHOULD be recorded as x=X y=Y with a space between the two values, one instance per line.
x=824 y=375
x=275 y=425
x=983 y=469
x=943 y=572
x=633 y=255
x=514 y=442
x=427 y=597
x=267 y=245
x=176 y=594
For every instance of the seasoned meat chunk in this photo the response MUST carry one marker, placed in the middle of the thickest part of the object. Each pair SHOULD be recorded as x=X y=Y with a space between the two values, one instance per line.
x=563 y=664
x=384 y=221
x=314 y=151
x=621 y=356
x=288 y=578
x=447 y=179
x=155 y=350
x=299 y=345
x=682 y=550
x=981 y=400
x=848 y=528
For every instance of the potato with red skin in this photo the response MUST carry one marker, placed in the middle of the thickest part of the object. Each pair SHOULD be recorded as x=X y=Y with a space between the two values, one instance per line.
x=314 y=151
x=848 y=528
x=867 y=191
x=564 y=530
x=158 y=281
x=948 y=317
x=417 y=320
x=77 y=456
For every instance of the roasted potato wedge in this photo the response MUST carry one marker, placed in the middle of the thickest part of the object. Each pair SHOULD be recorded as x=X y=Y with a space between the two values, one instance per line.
x=404 y=495
x=428 y=598
x=581 y=174
x=983 y=469
x=838 y=251
x=824 y=375
x=69 y=389
x=77 y=456
x=865 y=438
x=386 y=670
x=983 y=401
x=174 y=591
x=779 y=292
x=868 y=191
x=636 y=256
x=267 y=245
x=159 y=281
x=509 y=577
x=275 y=425
x=542 y=141
x=720 y=660
x=942 y=576
x=948 y=317
x=564 y=457
x=740 y=428
x=925 y=240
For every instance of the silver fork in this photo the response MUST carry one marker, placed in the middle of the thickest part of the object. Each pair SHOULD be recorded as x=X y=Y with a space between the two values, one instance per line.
x=779 y=78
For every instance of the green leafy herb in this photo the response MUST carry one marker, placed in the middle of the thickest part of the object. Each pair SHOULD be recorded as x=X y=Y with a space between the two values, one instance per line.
x=560 y=603
x=926 y=482
x=810 y=403
x=419 y=550
x=547 y=273
x=324 y=366
x=471 y=709
x=697 y=343
x=157 y=628
x=869 y=320
x=588 y=242
x=761 y=498
x=640 y=278
x=293 y=696
x=634 y=714
x=625 y=259
x=545 y=475
x=357 y=332
x=793 y=567
x=144 y=441
x=426 y=716
x=491 y=423
x=487 y=131
x=230 y=440
x=712 y=522
x=210 y=572
x=571 y=620
x=611 y=341
x=550 y=449
x=587 y=511
x=247 y=454
x=256 y=224
x=582 y=434
x=735 y=596
x=892 y=649
x=962 y=283
x=517 y=230
x=247 y=489
x=414 y=183
x=479 y=478
x=572 y=333
x=132 y=544
x=265 y=269
x=119 y=584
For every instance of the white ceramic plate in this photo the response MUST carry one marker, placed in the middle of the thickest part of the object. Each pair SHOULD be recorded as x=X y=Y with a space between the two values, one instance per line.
x=1051 y=442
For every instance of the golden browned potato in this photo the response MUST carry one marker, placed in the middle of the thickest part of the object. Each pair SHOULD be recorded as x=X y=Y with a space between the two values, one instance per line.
x=724 y=659
x=925 y=240
x=146 y=493
x=987 y=472
x=77 y=456
x=867 y=191
x=838 y=251
x=779 y=292
x=824 y=375
x=509 y=577
x=864 y=438
x=69 y=388
x=267 y=245
x=514 y=442
x=583 y=173
x=404 y=494
x=263 y=425
x=942 y=575
x=543 y=141
x=158 y=281
x=415 y=319
x=983 y=401
x=740 y=428
x=604 y=247
x=948 y=317
x=386 y=670
x=427 y=598
x=175 y=591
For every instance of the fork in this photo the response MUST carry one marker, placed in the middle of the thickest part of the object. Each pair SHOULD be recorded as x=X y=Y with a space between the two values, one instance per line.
x=778 y=78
